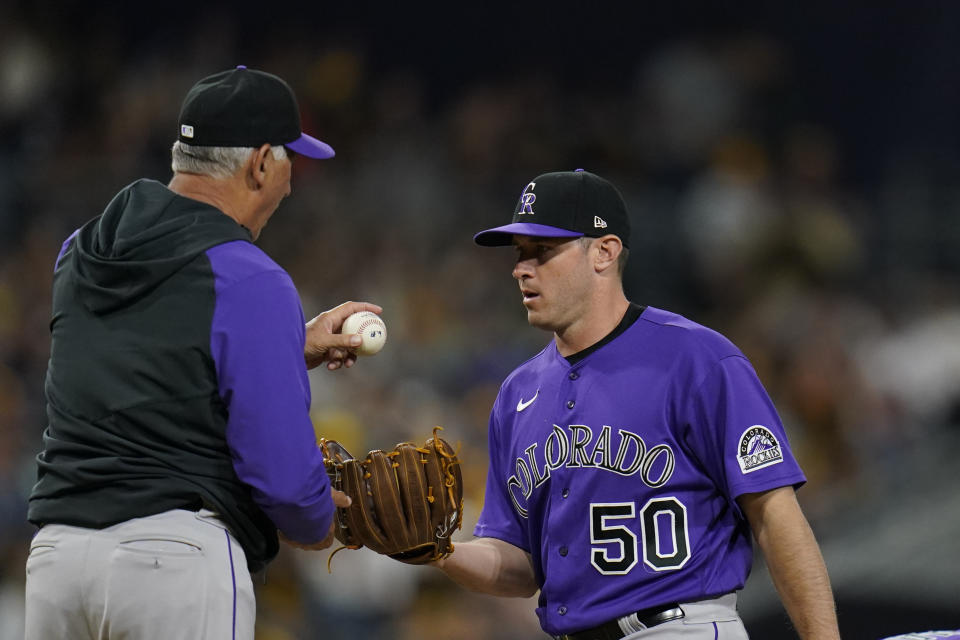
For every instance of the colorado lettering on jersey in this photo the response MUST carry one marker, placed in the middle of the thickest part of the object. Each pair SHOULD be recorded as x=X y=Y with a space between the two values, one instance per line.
x=578 y=447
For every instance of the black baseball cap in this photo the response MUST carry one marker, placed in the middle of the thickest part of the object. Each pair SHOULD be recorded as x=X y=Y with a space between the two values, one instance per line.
x=246 y=108
x=564 y=204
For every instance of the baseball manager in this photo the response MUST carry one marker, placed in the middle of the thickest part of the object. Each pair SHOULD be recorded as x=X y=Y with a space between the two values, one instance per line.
x=178 y=439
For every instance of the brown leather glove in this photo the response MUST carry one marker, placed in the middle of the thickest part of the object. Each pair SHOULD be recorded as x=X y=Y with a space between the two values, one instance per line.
x=407 y=502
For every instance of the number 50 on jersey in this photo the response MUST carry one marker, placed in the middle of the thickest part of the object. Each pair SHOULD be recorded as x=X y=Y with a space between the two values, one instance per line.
x=663 y=532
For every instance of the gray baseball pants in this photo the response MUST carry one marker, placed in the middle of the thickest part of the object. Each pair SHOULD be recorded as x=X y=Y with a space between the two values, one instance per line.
x=714 y=619
x=172 y=576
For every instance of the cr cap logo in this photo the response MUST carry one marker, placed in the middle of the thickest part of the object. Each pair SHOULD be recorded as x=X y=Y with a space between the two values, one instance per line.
x=527 y=198
x=759 y=448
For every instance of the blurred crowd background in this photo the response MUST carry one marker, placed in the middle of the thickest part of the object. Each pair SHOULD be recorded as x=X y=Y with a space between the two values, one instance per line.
x=791 y=169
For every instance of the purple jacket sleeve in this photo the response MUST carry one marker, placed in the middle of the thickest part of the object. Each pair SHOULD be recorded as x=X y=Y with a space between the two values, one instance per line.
x=257 y=340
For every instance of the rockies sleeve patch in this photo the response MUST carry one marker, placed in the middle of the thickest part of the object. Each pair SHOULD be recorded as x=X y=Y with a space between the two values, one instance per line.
x=759 y=448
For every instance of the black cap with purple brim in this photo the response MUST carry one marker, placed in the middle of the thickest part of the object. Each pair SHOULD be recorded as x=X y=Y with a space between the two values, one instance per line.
x=564 y=204
x=246 y=108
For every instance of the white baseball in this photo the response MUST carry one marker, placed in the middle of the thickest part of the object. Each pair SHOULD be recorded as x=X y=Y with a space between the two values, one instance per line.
x=368 y=326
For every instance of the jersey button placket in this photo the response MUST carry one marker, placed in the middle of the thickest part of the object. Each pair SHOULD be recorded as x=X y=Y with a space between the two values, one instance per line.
x=573 y=375
x=563 y=552
x=562 y=610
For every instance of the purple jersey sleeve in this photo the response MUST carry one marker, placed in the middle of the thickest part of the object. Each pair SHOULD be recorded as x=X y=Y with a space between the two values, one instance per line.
x=742 y=441
x=257 y=341
x=498 y=518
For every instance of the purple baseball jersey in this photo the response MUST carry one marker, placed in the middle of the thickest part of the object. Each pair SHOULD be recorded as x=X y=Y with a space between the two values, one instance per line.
x=619 y=473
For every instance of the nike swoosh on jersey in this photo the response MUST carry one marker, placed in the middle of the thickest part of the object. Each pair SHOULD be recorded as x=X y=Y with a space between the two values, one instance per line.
x=523 y=405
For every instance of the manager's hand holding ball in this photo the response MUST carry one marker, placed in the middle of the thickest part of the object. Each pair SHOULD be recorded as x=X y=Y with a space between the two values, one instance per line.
x=371 y=329
x=333 y=338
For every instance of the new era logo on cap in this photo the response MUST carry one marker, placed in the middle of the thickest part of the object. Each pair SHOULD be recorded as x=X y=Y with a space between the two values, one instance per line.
x=186 y=131
x=564 y=204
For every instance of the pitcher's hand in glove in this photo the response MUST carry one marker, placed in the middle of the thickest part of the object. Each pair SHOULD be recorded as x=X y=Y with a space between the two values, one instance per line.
x=407 y=502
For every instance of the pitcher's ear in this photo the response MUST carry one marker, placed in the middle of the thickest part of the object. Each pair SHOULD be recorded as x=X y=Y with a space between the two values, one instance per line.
x=608 y=249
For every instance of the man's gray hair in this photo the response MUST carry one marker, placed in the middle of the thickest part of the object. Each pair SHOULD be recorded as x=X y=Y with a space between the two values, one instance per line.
x=216 y=162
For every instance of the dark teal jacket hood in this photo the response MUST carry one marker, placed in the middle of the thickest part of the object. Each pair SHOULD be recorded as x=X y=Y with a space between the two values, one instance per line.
x=146 y=234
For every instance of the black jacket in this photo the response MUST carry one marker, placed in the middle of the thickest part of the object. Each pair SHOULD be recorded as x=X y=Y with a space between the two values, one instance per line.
x=136 y=424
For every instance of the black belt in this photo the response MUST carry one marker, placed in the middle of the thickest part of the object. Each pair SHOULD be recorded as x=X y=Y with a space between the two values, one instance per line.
x=610 y=630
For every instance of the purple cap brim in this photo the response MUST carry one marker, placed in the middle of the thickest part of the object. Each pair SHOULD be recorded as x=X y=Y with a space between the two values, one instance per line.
x=309 y=146
x=502 y=236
